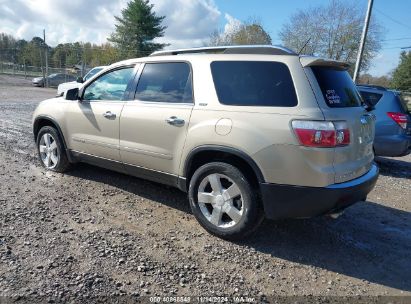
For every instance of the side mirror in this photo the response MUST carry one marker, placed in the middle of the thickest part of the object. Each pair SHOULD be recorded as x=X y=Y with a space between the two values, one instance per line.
x=72 y=94
x=80 y=79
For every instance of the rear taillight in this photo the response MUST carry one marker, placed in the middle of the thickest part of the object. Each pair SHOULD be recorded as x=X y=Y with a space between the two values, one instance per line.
x=399 y=118
x=322 y=134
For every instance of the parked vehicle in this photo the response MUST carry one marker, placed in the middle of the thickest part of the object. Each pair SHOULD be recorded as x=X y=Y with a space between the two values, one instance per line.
x=248 y=132
x=53 y=80
x=393 y=121
x=76 y=84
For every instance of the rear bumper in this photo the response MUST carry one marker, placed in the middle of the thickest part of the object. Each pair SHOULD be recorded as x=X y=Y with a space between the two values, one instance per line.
x=286 y=201
x=393 y=146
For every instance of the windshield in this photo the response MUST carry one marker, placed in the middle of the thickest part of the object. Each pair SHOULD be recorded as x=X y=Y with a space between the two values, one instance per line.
x=92 y=73
x=337 y=87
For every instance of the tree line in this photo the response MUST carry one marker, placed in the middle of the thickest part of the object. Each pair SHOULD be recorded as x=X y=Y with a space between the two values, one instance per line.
x=32 y=53
x=332 y=30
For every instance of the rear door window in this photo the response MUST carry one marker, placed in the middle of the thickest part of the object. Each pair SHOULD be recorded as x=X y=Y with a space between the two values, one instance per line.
x=253 y=83
x=338 y=89
x=165 y=82
x=371 y=99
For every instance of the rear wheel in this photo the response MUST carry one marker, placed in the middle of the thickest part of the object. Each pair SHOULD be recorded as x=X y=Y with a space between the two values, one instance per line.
x=224 y=202
x=51 y=150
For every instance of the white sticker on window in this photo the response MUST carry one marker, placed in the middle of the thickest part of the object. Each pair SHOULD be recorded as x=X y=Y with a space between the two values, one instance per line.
x=332 y=97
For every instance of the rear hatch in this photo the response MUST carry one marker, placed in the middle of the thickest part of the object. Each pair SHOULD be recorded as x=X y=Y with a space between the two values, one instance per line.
x=340 y=101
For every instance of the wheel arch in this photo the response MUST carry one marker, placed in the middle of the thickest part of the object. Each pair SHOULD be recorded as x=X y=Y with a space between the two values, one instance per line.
x=42 y=121
x=208 y=153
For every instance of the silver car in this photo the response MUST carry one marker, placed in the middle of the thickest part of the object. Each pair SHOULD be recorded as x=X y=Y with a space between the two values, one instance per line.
x=53 y=80
x=393 y=121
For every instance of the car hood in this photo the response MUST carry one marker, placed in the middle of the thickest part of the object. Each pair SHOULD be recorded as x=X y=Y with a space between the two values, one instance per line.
x=64 y=87
x=38 y=79
x=70 y=83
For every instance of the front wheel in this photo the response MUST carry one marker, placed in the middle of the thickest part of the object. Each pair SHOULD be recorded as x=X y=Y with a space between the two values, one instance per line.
x=223 y=201
x=51 y=150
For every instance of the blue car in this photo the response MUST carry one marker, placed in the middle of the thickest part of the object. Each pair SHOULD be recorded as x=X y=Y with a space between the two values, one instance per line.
x=393 y=120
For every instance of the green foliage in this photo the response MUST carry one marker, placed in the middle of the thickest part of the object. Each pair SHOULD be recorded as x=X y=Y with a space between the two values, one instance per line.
x=401 y=78
x=20 y=47
x=136 y=29
x=33 y=52
x=64 y=55
x=246 y=33
x=251 y=34
x=8 y=52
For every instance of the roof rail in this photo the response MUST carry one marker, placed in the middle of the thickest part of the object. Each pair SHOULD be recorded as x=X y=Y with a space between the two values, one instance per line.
x=234 y=49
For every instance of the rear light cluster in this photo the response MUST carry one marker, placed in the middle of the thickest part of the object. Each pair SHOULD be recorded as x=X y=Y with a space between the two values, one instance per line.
x=399 y=118
x=322 y=134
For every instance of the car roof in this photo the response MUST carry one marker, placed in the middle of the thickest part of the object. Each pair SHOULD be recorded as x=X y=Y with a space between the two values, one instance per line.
x=372 y=87
x=237 y=52
x=202 y=57
x=230 y=49
x=209 y=52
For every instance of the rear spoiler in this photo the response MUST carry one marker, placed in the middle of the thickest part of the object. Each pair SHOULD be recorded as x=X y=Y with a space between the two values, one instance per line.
x=315 y=61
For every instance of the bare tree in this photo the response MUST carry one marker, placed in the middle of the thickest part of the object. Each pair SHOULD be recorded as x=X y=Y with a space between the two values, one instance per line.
x=244 y=33
x=332 y=31
x=384 y=81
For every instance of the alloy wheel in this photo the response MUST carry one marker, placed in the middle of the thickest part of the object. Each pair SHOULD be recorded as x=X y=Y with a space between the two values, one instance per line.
x=220 y=200
x=48 y=151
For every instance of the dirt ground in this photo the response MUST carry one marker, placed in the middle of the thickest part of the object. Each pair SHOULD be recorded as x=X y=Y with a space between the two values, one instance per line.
x=93 y=232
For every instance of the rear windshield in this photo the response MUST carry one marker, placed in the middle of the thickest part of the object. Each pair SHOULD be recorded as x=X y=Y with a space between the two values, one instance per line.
x=371 y=99
x=253 y=83
x=337 y=87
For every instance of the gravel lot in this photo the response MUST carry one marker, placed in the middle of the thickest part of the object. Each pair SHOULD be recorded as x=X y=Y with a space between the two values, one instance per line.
x=93 y=232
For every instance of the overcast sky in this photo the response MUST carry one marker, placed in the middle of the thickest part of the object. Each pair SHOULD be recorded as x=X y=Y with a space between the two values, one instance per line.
x=189 y=22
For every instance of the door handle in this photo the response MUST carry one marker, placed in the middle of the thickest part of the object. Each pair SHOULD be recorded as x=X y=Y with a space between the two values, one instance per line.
x=109 y=115
x=174 y=121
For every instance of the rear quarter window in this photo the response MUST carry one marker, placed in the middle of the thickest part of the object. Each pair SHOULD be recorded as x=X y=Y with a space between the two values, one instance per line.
x=370 y=99
x=253 y=83
x=338 y=89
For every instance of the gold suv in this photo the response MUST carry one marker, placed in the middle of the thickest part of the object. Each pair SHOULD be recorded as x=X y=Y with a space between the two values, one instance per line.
x=248 y=132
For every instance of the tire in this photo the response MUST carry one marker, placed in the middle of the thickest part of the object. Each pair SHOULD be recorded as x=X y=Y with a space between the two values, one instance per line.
x=51 y=150
x=224 y=202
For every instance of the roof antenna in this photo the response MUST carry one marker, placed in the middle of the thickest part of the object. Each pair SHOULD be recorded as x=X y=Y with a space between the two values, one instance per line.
x=305 y=44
